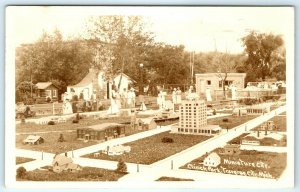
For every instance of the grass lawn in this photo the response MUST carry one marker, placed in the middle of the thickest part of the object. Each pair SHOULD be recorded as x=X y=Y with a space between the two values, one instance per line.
x=20 y=160
x=279 y=121
x=51 y=145
x=86 y=174
x=233 y=121
x=152 y=149
x=172 y=179
x=51 y=134
x=256 y=164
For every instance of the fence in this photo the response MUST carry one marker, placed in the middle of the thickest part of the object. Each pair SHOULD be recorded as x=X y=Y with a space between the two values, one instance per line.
x=241 y=94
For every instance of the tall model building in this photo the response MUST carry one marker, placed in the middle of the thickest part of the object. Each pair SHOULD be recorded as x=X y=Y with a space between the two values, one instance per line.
x=193 y=119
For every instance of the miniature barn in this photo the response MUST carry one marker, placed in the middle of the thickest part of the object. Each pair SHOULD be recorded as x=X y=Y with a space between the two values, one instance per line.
x=101 y=132
x=212 y=160
x=62 y=163
x=33 y=140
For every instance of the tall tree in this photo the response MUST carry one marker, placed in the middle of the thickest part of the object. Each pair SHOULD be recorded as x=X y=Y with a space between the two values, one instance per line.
x=120 y=44
x=259 y=48
x=168 y=64
x=53 y=59
x=224 y=64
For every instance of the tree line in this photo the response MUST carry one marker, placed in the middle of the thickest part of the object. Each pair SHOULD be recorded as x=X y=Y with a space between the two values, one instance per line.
x=117 y=44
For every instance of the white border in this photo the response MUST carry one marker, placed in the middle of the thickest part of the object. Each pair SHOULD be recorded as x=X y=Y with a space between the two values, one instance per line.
x=10 y=136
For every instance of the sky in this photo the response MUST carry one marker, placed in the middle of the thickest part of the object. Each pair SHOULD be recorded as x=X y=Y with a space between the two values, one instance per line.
x=200 y=29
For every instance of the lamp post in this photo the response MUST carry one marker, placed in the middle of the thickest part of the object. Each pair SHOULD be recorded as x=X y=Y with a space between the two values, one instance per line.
x=141 y=78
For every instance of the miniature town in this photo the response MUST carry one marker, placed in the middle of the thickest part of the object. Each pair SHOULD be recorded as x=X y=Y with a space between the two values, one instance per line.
x=178 y=132
x=101 y=111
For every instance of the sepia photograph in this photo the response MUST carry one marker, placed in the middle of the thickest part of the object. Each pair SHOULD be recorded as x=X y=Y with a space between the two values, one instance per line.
x=149 y=97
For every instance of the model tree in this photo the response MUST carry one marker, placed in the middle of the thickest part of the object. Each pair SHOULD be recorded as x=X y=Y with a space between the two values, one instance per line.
x=121 y=167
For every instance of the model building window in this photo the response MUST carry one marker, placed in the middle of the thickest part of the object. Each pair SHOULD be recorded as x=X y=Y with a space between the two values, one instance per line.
x=208 y=82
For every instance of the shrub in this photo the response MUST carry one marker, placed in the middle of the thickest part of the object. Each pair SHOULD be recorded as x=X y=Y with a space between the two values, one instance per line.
x=214 y=112
x=226 y=120
x=167 y=140
x=51 y=123
x=121 y=167
x=61 y=138
x=75 y=121
x=77 y=117
x=48 y=99
x=21 y=172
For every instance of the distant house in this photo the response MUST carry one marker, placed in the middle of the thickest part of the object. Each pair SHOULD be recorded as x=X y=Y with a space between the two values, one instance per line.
x=47 y=90
x=62 y=163
x=33 y=140
x=145 y=123
x=213 y=82
x=212 y=160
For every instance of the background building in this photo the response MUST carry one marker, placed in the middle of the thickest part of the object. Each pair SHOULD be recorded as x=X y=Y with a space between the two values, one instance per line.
x=214 y=82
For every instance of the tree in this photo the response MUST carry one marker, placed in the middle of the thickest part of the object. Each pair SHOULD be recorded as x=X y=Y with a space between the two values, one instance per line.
x=120 y=44
x=278 y=61
x=224 y=64
x=259 y=48
x=53 y=59
x=168 y=64
x=121 y=167
x=21 y=172
x=24 y=90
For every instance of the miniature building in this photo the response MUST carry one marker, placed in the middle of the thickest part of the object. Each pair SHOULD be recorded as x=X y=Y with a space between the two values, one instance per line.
x=47 y=90
x=34 y=140
x=193 y=119
x=258 y=109
x=145 y=123
x=212 y=160
x=101 y=132
x=268 y=126
x=231 y=149
x=62 y=163
x=239 y=112
x=116 y=150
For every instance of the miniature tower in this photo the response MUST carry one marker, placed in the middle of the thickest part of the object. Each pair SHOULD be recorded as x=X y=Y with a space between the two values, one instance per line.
x=192 y=114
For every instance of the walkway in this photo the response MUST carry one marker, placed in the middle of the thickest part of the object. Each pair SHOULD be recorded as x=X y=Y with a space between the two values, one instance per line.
x=166 y=167
x=198 y=150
